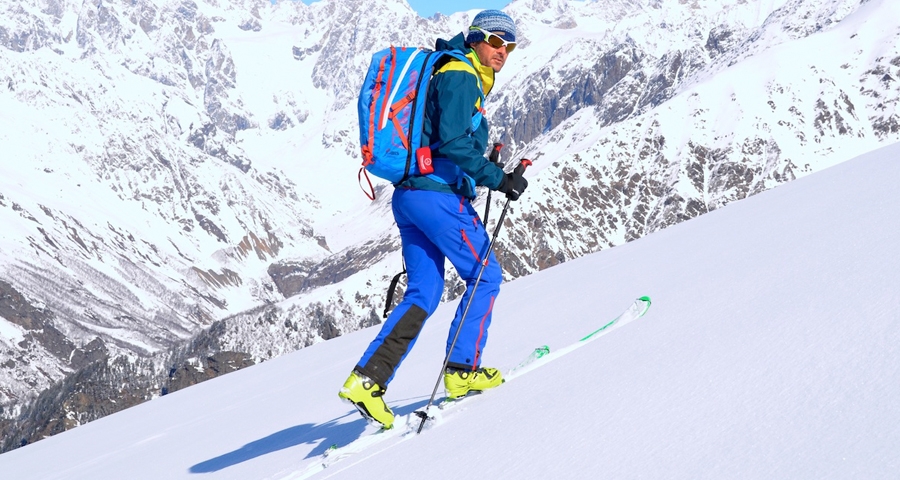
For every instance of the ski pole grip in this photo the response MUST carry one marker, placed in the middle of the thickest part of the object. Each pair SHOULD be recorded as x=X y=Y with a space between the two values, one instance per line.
x=494 y=156
x=523 y=164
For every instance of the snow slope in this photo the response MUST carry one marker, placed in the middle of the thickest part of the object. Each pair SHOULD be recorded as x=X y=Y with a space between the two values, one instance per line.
x=772 y=350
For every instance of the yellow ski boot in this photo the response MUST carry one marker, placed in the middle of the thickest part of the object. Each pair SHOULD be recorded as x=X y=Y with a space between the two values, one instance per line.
x=460 y=383
x=366 y=395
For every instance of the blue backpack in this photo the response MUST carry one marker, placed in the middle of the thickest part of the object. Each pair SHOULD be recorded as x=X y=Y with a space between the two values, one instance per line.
x=392 y=112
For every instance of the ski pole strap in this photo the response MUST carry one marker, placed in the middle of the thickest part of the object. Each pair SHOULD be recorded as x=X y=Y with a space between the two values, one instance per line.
x=390 y=295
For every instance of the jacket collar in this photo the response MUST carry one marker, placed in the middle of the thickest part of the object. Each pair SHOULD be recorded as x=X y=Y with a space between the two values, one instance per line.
x=486 y=73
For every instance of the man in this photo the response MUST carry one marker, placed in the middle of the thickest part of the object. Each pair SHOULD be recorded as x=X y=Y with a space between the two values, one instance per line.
x=437 y=222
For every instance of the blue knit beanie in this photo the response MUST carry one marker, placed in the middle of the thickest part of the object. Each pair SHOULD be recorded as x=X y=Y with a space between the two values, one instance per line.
x=492 y=21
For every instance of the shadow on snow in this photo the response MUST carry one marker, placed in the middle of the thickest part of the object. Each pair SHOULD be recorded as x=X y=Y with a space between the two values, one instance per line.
x=324 y=435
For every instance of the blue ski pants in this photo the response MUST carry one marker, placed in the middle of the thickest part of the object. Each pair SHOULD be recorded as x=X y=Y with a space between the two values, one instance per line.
x=435 y=226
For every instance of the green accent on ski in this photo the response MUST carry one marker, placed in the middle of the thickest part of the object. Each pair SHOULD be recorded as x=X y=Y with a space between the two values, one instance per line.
x=595 y=332
x=599 y=330
x=541 y=351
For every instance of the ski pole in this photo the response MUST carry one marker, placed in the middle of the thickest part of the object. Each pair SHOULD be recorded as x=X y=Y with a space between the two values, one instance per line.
x=424 y=414
x=494 y=157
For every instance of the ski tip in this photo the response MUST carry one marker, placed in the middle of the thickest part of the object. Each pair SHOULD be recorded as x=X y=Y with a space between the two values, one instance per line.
x=645 y=301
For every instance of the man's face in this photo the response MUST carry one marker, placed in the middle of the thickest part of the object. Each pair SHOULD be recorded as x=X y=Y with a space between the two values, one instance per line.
x=491 y=56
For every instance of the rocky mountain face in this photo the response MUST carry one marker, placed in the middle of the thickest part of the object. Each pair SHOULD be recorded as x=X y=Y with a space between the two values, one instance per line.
x=178 y=193
x=671 y=148
x=133 y=216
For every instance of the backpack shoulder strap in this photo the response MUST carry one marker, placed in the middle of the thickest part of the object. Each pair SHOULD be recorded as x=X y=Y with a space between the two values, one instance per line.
x=461 y=63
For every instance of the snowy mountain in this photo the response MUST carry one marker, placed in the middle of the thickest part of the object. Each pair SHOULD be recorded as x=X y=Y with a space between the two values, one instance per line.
x=179 y=193
x=771 y=351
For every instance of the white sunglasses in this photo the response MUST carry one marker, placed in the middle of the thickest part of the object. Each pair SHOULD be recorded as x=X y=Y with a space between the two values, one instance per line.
x=494 y=40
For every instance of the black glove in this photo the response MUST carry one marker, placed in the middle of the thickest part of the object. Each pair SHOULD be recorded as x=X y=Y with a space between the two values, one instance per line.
x=514 y=184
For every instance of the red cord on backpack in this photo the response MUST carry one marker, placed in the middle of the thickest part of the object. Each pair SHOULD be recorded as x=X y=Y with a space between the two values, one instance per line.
x=359 y=177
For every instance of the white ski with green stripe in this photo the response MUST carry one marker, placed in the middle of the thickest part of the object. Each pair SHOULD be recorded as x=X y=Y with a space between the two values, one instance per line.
x=542 y=355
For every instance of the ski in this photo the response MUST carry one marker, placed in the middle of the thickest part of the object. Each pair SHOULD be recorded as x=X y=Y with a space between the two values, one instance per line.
x=542 y=355
x=335 y=453
x=447 y=402
x=403 y=428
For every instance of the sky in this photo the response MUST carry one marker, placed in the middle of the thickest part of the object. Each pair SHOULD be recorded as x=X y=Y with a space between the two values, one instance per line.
x=427 y=8
x=772 y=350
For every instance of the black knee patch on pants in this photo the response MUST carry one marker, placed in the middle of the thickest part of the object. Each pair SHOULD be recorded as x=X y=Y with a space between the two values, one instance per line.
x=388 y=355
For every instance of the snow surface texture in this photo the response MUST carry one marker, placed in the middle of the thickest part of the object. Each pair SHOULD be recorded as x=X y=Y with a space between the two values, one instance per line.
x=772 y=350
